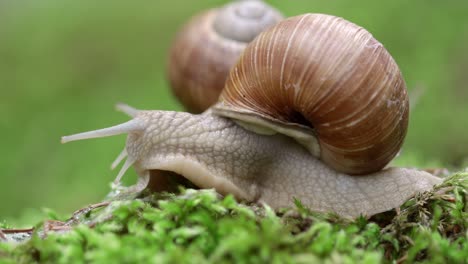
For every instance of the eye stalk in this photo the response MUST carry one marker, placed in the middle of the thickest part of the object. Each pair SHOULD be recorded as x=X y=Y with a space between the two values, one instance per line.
x=132 y=126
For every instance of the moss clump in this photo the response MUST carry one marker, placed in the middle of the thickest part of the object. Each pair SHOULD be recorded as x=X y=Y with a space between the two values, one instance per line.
x=199 y=226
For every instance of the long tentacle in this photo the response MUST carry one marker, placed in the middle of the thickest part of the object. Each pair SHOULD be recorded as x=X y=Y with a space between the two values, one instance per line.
x=127 y=127
x=125 y=108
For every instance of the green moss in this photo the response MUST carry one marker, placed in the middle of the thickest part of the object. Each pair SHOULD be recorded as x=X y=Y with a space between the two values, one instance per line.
x=199 y=226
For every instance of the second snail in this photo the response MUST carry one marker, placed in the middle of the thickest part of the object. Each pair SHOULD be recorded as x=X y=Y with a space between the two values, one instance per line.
x=208 y=45
x=312 y=102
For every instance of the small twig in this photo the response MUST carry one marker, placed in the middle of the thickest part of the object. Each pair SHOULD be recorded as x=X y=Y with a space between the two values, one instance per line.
x=57 y=226
x=3 y=236
x=77 y=214
x=51 y=225
x=17 y=230
x=15 y=233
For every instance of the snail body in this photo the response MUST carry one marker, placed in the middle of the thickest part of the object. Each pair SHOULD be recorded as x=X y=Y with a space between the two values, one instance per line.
x=214 y=152
x=296 y=119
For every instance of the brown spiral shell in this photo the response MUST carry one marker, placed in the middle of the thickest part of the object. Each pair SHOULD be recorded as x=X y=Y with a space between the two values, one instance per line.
x=207 y=47
x=333 y=76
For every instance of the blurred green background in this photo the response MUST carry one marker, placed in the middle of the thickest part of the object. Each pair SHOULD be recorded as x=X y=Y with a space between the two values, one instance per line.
x=64 y=64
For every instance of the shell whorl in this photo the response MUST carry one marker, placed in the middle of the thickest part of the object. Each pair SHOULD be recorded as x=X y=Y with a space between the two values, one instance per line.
x=243 y=20
x=207 y=47
x=329 y=74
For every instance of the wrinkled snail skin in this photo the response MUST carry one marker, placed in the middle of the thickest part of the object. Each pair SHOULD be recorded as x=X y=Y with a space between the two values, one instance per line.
x=214 y=152
x=207 y=47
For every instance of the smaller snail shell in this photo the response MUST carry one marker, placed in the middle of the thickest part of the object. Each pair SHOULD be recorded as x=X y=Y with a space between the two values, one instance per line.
x=328 y=74
x=206 y=48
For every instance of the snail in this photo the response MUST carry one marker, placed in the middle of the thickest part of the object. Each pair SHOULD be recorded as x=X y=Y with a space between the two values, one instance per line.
x=314 y=110
x=209 y=45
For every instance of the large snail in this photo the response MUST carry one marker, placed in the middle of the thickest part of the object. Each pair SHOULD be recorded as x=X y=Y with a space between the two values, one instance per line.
x=207 y=47
x=312 y=100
